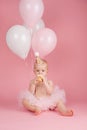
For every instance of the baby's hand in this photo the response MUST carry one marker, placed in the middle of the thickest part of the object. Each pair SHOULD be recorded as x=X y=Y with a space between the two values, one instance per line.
x=43 y=79
x=40 y=79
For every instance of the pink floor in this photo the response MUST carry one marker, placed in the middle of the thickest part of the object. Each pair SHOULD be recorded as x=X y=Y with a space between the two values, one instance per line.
x=11 y=118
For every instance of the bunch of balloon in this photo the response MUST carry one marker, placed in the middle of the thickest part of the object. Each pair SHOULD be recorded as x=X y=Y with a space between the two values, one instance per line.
x=33 y=33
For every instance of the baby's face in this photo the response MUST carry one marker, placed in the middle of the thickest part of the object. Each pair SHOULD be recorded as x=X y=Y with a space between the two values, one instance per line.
x=40 y=70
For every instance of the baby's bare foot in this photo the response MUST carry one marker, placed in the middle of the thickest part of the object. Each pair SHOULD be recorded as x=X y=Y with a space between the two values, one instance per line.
x=37 y=111
x=67 y=113
x=64 y=112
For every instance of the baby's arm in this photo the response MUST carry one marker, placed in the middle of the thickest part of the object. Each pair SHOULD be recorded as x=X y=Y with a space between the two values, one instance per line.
x=32 y=87
x=49 y=86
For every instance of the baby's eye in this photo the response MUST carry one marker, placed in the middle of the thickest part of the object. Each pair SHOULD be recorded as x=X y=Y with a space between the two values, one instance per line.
x=43 y=70
x=37 y=70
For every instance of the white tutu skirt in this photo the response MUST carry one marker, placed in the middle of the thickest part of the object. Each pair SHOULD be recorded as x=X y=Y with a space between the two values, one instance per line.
x=44 y=103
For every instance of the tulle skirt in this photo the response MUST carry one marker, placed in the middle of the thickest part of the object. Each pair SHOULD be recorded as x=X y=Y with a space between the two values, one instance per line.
x=44 y=103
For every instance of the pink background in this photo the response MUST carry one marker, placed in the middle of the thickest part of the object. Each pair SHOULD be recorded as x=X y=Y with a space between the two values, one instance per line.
x=67 y=63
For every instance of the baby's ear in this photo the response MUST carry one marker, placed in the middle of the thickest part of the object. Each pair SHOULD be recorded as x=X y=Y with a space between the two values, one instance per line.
x=47 y=70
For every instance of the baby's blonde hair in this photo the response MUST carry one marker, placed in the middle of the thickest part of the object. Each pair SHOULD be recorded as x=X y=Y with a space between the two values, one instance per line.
x=40 y=62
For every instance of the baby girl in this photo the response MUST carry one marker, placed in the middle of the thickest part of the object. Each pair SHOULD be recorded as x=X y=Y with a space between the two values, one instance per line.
x=42 y=95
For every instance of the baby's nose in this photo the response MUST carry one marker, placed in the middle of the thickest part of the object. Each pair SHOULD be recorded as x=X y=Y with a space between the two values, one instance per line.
x=40 y=72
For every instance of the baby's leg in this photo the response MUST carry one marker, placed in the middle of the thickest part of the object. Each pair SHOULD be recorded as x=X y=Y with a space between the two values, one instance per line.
x=30 y=107
x=63 y=110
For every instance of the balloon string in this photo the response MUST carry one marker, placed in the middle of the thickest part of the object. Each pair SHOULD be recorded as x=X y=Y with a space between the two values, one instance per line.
x=32 y=63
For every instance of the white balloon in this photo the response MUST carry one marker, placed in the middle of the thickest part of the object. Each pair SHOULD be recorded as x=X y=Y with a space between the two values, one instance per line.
x=27 y=27
x=38 y=26
x=31 y=11
x=19 y=40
